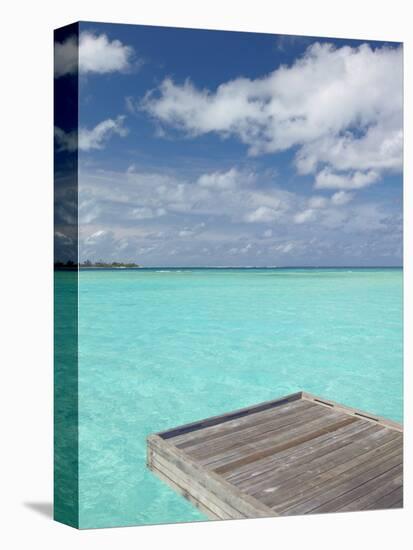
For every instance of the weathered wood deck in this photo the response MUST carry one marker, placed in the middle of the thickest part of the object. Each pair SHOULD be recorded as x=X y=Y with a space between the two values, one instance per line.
x=297 y=455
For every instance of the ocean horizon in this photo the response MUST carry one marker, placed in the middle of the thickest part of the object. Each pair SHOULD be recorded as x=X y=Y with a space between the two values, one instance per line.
x=230 y=267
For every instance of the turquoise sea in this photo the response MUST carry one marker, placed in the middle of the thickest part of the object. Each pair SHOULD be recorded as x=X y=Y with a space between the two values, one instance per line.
x=162 y=347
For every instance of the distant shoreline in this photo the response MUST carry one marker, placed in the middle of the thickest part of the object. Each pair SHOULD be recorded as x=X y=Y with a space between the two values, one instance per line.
x=174 y=268
x=109 y=267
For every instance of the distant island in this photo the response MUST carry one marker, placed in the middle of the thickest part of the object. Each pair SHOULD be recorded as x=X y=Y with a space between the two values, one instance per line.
x=70 y=265
x=108 y=265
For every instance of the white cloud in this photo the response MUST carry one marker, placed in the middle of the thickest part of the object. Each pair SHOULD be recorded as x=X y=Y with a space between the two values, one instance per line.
x=65 y=141
x=130 y=105
x=97 y=236
x=231 y=179
x=327 y=179
x=180 y=207
x=63 y=239
x=368 y=218
x=95 y=138
x=192 y=231
x=305 y=216
x=149 y=217
x=379 y=148
x=95 y=54
x=262 y=214
x=317 y=202
x=145 y=213
x=323 y=210
x=341 y=197
x=136 y=195
x=66 y=57
x=245 y=248
x=285 y=248
x=341 y=107
x=185 y=233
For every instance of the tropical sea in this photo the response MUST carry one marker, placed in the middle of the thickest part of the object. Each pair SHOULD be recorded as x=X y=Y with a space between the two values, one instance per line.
x=163 y=347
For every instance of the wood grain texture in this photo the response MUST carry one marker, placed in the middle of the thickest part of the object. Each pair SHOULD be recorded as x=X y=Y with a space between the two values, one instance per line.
x=300 y=454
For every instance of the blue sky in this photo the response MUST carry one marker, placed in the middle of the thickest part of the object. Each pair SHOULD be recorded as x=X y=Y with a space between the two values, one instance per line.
x=225 y=148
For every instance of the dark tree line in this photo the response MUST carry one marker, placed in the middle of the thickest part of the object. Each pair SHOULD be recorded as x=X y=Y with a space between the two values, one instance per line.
x=73 y=265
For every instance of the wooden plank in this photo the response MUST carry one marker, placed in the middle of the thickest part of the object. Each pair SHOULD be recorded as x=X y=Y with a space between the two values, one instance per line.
x=318 y=467
x=399 y=503
x=352 y=411
x=367 y=442
x=341 y=496
x=394 y=499
x=240 y=422
x=377 y=487
x=258 y=427
x=300 y=458
x=228 y=494
x=188 y=487
x=294 y=455
x=188 y=495
x=315 y=484
x=331 y=482
x=219 y=419
x=283 y=445
x=303 y=426
x=214 y=434
x=258 y=433
x=194 y=492
x=301 y=453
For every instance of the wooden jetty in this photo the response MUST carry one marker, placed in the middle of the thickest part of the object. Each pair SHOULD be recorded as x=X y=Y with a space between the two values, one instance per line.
x=300 y=454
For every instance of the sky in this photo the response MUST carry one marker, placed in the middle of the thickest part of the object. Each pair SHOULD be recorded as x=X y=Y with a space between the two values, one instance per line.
x=217 y=148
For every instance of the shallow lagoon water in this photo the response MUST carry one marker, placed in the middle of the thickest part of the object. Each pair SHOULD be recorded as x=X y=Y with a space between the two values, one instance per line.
x=161 y=347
